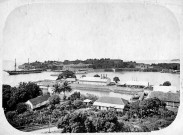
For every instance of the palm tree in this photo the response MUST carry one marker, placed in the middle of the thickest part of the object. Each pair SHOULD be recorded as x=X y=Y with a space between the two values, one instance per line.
x=64 y=87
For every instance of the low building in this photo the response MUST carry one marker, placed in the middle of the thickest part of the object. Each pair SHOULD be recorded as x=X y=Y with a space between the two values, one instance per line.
x=143 y=66
x=94 y=80
x=87 y=101
x=44 y=89
x=47 y=86
x=165 y=89
x=171 y=99
x=71 y=80
x=106 y=103
x=38 y=102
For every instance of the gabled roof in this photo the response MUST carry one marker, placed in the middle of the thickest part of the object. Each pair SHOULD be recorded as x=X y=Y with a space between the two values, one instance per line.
x=39 y=99
x=92 y=79
x=112 y=100
x=167 y=97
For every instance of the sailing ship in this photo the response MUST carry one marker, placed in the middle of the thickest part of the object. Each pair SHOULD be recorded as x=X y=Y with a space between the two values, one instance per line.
x=27 y=71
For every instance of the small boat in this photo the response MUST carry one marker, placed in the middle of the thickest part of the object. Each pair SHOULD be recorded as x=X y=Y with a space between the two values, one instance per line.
x=81 y=71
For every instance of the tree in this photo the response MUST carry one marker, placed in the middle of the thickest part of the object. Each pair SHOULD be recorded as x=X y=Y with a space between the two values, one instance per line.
x=116 y=79
x=6 y=96
x=96 y=75
x=66 y=74
x=75 y=95
x=22 y=93
x=21 y=107
x=55 y=99
x=167 y=83
x=64 y=87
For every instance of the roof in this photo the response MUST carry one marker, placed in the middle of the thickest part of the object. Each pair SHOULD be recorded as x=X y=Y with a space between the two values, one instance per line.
x=110 y=101
x=167 y=97
x=39 y=99
x=87 y=100
x=93 y=79
x=172 y=89
x=137 y=83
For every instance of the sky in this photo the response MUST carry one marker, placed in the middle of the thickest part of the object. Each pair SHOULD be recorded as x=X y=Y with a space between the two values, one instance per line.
x=91 y=30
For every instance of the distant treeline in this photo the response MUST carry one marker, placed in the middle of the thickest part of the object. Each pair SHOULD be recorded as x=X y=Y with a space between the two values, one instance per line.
x=173 y=66
x=104 y=63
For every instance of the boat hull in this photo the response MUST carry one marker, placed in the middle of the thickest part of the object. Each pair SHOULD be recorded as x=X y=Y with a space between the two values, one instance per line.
x=23 y=72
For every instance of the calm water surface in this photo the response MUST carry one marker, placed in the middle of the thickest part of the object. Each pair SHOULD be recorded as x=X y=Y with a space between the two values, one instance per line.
x=151 y=77
x=154 y=78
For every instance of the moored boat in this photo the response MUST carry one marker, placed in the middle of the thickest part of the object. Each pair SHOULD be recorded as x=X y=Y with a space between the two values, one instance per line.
x=17 y=72
x=81 y=71
x=23 y=72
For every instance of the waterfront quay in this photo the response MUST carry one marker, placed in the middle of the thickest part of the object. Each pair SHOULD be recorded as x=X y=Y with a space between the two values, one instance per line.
x=115 y=89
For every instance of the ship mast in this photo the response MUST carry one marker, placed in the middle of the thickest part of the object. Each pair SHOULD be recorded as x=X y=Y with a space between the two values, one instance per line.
x=28 y=64
x=15 y=64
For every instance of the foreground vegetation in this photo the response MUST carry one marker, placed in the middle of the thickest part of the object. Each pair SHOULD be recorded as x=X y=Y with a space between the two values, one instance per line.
x=72 y=115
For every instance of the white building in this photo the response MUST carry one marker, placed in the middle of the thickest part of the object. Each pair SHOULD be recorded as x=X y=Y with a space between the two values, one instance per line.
x=94 y=80
x=165 y=89
x=106 y=103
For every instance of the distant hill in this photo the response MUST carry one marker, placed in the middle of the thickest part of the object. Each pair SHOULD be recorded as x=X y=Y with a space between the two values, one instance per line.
x=175 y=60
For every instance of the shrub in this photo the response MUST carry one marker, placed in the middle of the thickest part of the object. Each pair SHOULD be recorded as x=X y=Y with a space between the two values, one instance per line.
x=78 y=104
x=55 y=99
x=75 y=95
x=116 y=79
x=10 y=115
x=96 y=75
x=21 y=107
x=167 y=83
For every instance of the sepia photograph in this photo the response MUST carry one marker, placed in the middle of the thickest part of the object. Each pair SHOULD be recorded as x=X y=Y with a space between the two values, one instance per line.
x=83 y=66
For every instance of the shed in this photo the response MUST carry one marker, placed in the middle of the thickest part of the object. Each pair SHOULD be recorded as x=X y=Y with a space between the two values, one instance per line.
x=94 y=80
x=171 y=99
x=38 y=101
x=105 y=103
